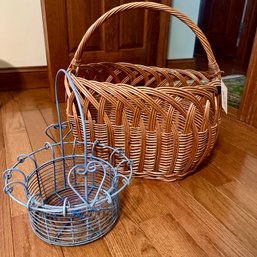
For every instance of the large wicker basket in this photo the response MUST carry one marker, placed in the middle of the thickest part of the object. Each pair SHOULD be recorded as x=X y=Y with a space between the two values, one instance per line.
x=165 y=119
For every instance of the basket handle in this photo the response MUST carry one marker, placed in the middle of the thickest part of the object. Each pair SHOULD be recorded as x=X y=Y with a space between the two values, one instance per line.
x=212 y=64
x=60 y=123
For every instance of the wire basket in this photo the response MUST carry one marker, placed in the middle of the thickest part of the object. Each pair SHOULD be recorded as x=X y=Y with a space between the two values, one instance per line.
x=71 y=194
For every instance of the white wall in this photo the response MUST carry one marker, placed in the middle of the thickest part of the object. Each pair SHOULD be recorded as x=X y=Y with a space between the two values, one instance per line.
x=181 y=38
x=22 y=38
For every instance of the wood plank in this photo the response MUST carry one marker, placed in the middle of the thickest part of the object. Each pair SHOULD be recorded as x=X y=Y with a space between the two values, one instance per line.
x=235 y=163
x=36 y=134
x=236 y=132
x=37 y=105
x=32 y=98
x=170 y=238
x=35 y=126
x=50 y=116
x=242 y=195
x=97 y=248
x=238 y=221
x=237 y=152
x=144 y=245
x=6 y=245
x=31 y=112
x=208 y=232
x=214 y=175
x=16 y=143
x=120 y=243
x=235 y=124
x=27 y=244
x=234 y=155
x=140 y=203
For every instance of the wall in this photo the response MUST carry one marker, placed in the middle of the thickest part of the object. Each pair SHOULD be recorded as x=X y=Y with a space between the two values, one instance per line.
x=181 y=38
x=22 y=38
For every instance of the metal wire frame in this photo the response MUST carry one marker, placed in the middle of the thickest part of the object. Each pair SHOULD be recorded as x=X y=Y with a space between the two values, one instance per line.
x=72 y=198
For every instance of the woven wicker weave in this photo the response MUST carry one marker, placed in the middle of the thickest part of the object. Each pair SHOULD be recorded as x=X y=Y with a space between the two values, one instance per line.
x=165 y=119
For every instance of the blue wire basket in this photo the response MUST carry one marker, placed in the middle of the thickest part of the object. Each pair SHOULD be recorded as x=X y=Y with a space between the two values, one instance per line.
x=72 y=197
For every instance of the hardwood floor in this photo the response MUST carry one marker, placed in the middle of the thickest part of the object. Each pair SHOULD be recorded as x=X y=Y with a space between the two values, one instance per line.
x=210 y=213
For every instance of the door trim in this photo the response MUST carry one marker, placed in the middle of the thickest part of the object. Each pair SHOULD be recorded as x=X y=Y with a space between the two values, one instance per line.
x=248 y=107
x=55 y=53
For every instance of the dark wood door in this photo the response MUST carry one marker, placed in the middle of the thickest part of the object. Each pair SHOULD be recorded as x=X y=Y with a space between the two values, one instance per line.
x=137 y=36
x=220 y=21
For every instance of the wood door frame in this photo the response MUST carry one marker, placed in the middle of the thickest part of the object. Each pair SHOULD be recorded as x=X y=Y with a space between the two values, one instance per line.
x=163 y=46
x=59 y=18
x=248 y=107
x=52 y=52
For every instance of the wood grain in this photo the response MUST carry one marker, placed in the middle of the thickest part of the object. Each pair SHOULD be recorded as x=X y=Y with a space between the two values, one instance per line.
x=27 y=244
x=120 y=243
x=139 y=203
x=142 y=242
x=208 y=232
x=16 y=142
x=242 y=195
x=167 y=234
x=54 y=15
x=32 y=99
x=246 y=134
x=214 y=175
x=238 y=221
x=6 y=245
x=98 y=248
x=235 y=153
x=248 y=106
x=210 y=213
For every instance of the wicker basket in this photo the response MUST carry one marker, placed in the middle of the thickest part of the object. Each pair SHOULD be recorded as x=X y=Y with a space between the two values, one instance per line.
x=165 y=119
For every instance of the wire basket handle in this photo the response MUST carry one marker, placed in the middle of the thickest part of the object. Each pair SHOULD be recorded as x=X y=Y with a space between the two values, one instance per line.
x=9 y=185
x=212 y=64
x=60 y=124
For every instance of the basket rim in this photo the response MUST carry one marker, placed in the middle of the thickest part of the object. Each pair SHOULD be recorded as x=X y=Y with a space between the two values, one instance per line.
x=34 y=205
